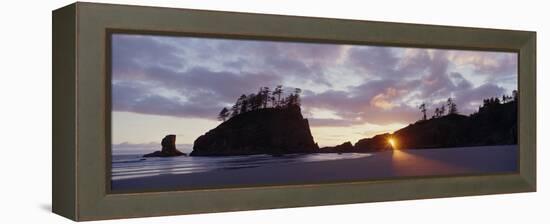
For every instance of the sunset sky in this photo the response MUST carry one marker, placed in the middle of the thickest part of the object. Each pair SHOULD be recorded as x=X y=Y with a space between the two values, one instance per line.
x=177 y=85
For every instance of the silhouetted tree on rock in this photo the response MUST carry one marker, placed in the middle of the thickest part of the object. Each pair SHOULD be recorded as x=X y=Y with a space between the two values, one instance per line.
x=422 y=108
x=224 y=113
x=452 y=106
x=277 y=93
x=262 y=99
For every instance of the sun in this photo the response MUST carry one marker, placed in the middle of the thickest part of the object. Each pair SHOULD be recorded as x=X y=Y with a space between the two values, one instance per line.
x=392 y=142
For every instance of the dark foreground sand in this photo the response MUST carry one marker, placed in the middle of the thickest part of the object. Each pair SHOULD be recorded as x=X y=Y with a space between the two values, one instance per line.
x=383 y=165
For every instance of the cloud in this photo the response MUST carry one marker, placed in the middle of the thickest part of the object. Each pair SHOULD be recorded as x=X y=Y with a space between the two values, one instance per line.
x=376 y=102
x=329 y=122
x=375 y=61
x=134 y=98
x=471 y=99
x=459 y=81
x=132 y=52
x=198 y=92
x=396 y=85
x=487 y=63
x=199 y=83
x=196 y=77
x=304 y=62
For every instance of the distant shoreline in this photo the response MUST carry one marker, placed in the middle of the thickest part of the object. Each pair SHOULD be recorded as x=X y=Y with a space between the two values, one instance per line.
x=365 y=152
x=381 y=165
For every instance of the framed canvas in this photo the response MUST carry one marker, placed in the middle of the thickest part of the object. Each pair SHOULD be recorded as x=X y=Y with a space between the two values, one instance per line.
x=162 y=111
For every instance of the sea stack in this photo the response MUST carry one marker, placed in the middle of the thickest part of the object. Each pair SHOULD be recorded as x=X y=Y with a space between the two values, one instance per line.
x=168 y=148
x=274 y=131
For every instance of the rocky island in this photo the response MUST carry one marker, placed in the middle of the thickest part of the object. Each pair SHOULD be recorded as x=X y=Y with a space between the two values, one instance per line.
x=259 y=125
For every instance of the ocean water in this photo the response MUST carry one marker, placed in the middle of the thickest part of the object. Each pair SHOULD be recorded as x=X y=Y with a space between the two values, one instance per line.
x=127 y=166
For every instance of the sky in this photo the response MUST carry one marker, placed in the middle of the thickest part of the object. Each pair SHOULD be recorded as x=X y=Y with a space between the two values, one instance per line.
x=177 y=85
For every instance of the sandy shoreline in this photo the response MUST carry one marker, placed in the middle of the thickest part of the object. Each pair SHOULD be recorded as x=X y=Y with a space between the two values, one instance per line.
x=426 y=162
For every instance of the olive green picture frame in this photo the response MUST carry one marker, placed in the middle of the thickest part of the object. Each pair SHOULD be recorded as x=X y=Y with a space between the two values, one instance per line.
x=81 y=110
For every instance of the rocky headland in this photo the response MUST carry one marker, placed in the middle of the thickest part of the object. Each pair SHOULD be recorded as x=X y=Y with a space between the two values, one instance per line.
x=493 y=124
